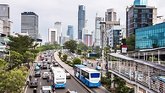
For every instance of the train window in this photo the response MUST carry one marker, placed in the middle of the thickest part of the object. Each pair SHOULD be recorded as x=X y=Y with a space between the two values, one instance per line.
x=95 y=75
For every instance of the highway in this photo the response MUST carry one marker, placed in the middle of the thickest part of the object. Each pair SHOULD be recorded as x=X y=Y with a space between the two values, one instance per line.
x=71 y=84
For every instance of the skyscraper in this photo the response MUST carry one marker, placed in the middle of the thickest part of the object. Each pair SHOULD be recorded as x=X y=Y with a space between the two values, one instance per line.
x=140 y=2
x=58 y=26
x=88 y=39
x=111 y=18
x=52 y=35
x=81 y=21
x=70 y=31
x=138 y=16
x=97 y=33
x=29 y=24
x=4 y=16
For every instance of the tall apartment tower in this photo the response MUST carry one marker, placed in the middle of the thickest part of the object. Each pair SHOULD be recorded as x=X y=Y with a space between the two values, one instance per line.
x=111 y=18
x=29 y=24
x=97 y=33
x=81 y=21
x=70 y=31
x=139 y=15
x=52 y=35
x=58 y=26
x=5 y=16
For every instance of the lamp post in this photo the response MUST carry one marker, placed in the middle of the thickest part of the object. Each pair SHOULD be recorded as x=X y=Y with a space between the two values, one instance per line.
x=103 y=36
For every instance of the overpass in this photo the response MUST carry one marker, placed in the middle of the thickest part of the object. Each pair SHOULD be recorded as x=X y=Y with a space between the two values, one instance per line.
x=143 y=76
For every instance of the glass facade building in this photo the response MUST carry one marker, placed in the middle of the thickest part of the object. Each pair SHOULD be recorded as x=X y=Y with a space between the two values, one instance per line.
x=138 y=16
x=140 y=2
x=150 y=37
x=81 y=20
x=70 y=31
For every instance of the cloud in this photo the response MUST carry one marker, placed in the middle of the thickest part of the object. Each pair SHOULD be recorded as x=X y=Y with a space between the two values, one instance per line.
x=66 y=11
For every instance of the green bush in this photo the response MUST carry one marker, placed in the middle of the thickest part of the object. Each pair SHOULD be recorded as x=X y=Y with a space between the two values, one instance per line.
x=76 y=61
x=65 y=57
x=59 y=54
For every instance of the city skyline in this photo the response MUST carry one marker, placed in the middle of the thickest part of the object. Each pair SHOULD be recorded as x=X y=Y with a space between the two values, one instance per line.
x=47 y=17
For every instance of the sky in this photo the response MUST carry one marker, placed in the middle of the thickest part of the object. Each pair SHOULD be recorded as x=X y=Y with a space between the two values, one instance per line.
x=66 y=11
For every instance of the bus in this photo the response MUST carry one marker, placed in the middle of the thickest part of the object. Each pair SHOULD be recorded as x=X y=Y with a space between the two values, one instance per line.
x=59 y=77
x=90 y=77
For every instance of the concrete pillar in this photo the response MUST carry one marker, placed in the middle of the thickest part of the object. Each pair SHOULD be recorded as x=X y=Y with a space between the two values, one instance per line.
x=152 y=57
x=158 y=56
x=136 y=89
x=112 y=78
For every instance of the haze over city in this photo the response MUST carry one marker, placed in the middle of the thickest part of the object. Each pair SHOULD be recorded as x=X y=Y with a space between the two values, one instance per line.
x=66 y=11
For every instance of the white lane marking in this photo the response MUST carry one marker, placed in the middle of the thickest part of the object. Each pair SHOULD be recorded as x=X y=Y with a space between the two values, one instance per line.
x=40 y=83
x=40 y=91
x=26 y=89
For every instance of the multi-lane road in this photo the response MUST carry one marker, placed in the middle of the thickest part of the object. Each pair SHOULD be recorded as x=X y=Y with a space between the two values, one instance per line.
x=71 y=84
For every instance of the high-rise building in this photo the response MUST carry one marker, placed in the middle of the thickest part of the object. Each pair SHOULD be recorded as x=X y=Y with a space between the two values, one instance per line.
x=58 y=26
x=70 y=31
x=115 y=36
x=97 y=33
x=29 y=24
x=111 y=18
x=52 y=35
x=140 y=2
x=5 y=16
x=138 y=16
x=88 y=39
x=81 y=21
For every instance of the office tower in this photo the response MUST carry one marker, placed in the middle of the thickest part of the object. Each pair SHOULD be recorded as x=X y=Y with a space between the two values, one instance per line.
x=58 y=26
x=5 y=16
x=97 y=33
x=52 y=35
x=115 y=36
x=111 y=18
x=29 y=24
x=88 y=39
x=140 y=2
x=81 y=21
x=70 y=31
x=138 y=16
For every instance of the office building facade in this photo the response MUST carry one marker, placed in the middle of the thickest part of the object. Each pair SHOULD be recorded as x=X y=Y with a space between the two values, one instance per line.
x=140 y=2
x=138 y=16
x=58 y=26
x=52 y=35
x=97 y=33
x=111 y=18
x=81 y=21
x=114 y=36
x=5 y=16
x=150 y=37
x=29 y=24
x=70 y=31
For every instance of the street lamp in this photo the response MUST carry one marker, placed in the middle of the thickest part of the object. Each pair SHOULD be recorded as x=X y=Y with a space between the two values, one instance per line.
x=103 y=32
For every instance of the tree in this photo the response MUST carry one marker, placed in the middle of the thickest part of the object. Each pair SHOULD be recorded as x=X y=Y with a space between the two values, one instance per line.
x=71 y=45
x=64 y=58
x=20 y=44
x=76 y=61
x=14 y=60
x=130 y=41
x=82 y=46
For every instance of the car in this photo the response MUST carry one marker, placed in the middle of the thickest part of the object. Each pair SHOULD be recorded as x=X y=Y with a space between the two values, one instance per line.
x=46 y=89
x=37 y=68
x=33 y=82
x=37 y=73
x=56 y=64
x=68 y=76
x=98 y=67
x=45 y=75
x=39 y=64
x=85 y=63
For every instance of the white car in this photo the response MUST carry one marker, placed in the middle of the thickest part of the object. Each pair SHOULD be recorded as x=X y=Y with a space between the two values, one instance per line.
x=47 y=89
x=45 y=75
x=68 y=76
